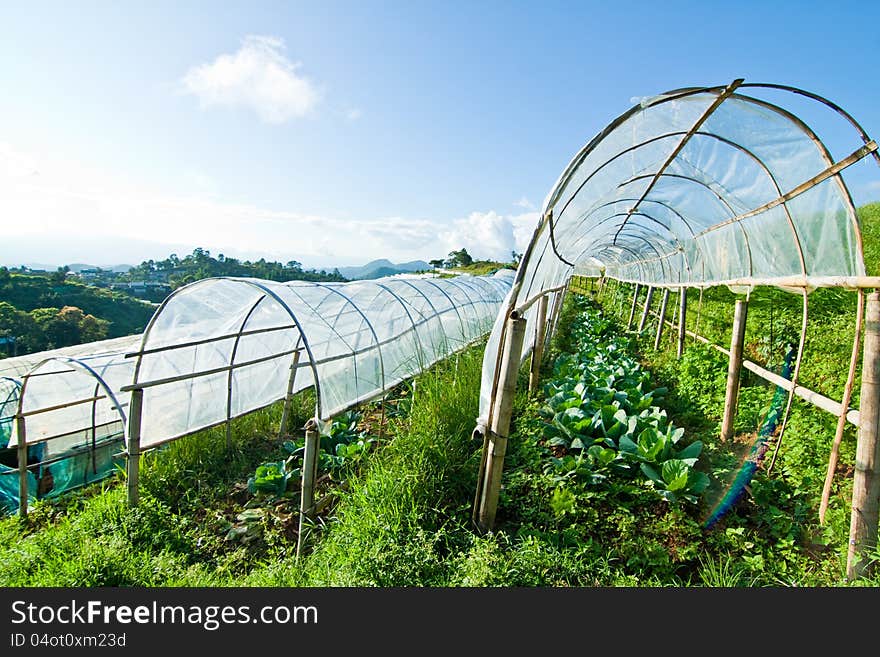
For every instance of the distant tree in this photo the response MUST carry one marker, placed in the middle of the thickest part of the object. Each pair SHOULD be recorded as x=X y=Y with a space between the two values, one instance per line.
x=437 y=263
x=4 y=276
x=516 y=257
x=59 y=275
x=460 y=258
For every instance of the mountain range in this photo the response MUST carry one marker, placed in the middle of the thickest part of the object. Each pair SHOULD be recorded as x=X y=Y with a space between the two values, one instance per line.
x=382 y=267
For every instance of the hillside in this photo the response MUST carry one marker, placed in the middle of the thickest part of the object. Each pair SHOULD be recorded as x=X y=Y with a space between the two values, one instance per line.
x=37 y=312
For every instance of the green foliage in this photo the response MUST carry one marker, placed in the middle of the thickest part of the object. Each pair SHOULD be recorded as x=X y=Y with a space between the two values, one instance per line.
x=600 y=420
x=45 y=314
x=201 y=264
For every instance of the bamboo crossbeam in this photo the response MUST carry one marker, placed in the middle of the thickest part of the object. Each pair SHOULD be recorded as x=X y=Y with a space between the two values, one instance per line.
x=521 y=309
x=846 y=282
x=141 y=385
x=208 y=340
x=57 y=407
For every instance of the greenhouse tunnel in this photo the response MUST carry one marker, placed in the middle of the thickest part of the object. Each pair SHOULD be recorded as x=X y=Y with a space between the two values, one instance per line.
x=220 y=348
x=693 y=188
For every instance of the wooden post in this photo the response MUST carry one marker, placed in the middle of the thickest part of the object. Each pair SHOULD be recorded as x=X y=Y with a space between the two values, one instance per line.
x=135 y=408
x=844 y=409
x=538 y=349
x=632 y=311
x=500 y=425
x=647 y=309
x=682 y=319
x=309 y=475
x=733 y=368
x=866 y=481
x=22 y=466
x=288 y=398
x=662 y=321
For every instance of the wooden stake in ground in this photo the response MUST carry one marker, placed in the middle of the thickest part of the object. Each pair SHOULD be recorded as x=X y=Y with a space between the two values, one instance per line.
x=538 y=349
x=844 y=408
x=647 y=309
x=632 y=310
x=135 y=409
x=866 y=481
x=682 y=319
x=499 y=429
x=662 y=320
x=22 y=465
x=288 y=398
x=309 y=475
x=733 y=368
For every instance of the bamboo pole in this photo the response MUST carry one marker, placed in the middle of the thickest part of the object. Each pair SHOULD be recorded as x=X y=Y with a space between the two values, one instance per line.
x=648 y=297
x=288 y=397
x=135 y=409
x=632 y=310
x=309 y=474
x=682 y=319
x=733 y=370
x=866 y=482
x=500 y=427
x=844 y=406
x=538 y=349
x=662 y=319
x=22 y=466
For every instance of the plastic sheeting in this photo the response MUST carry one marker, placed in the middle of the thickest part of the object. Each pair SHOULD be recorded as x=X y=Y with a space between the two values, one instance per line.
x=220 y=348
x=228 y=344
x=701 y=187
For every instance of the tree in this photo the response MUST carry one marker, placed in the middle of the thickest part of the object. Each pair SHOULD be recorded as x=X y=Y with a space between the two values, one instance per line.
x=59 y=275
x=437 y=263
x=459 y=258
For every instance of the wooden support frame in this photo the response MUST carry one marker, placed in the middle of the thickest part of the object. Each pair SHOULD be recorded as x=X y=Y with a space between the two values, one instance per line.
x=682 y=320
x=538 y=349
x=866 y=481
x=632 y=310
x=309 y=476
x=734 y=367
x=133 y=448
x=662 y=319
x=21 y=434
x=648 y=298
x=495 y=446
x=288 y=397
x=844 y=405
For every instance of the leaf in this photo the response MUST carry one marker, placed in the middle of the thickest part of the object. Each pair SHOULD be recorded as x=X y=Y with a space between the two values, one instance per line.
x=577 y=444
x=691 y=453
x=675 y=474
x=650 y=444
x=627 y=445
x=697 y=482
x=651 y=474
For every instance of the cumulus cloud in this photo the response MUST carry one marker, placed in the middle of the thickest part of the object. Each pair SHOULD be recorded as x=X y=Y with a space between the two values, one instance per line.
x=489 y=235
x=68 y=208
x=258 y=76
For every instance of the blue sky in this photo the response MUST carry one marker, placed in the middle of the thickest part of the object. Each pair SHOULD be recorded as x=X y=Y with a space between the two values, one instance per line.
x=338 y=132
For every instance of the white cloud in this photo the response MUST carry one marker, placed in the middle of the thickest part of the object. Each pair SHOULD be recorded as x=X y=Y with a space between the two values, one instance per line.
x=69 y=209
x=490 y=236
x=523 y=202
x=258 y=76
x=354 y=114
